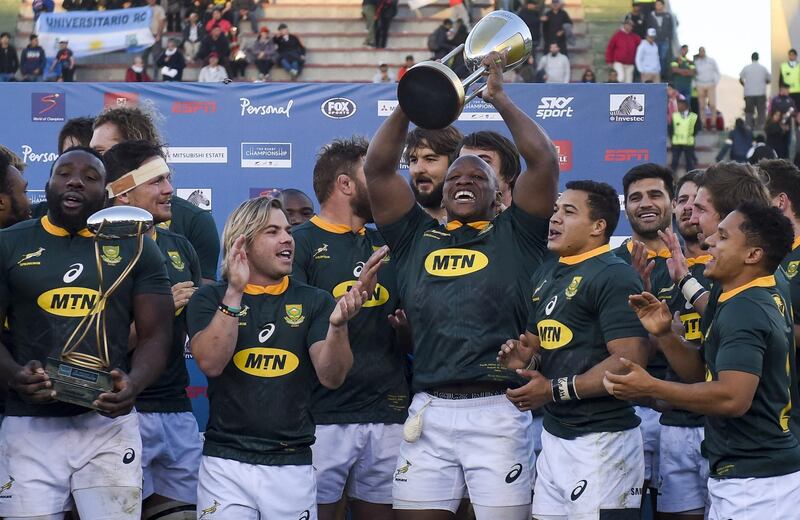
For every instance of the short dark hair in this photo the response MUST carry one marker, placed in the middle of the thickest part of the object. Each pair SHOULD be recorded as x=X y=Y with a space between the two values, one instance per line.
x=730 y=184
x=32 y=37
x=690 y=176
x=649 y=171
x=5 y=162
x=509 y=155
x=132 y=122
x=127 y=156
x=336 y=158
x=282 y=26
x=80 y=128
x=782 y=177
x=5 y=34
x=792 y=51
x=766 y=227
x=603 y=202
x=86 y=149
x=754 y=56
x=13 y=159
x=443 y=142
x=410 y=57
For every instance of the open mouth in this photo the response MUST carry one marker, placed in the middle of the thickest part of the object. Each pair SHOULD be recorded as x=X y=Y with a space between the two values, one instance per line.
x=285 y=254
x=72 y=200
x=553 y=234
x=648 y=216
x=464 y=196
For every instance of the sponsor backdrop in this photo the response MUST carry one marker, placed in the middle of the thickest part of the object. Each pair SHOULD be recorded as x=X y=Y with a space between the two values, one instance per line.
x=230 y=142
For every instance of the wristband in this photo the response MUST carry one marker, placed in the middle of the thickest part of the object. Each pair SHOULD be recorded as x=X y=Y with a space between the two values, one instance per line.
x=691 y=289
x=573 y=394
x=560 y=389
x=233 y=312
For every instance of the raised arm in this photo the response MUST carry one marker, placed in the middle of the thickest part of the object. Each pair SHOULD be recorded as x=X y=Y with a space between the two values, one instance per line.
x=389 y=193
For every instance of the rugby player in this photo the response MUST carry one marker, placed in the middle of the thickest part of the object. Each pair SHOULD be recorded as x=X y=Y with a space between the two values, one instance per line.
x=171 y=447
x=14 y=203
x=743 y=388
x=264 y=339
x=499 y=153
x=463 y=286
x=580 y=326
x=126 y=123
x=75 y=132
x=55 y=453
x=429 y=153
x=297 y=205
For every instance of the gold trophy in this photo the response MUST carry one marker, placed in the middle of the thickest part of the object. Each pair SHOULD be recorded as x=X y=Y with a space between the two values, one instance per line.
x=77 y=377
x=432 y=96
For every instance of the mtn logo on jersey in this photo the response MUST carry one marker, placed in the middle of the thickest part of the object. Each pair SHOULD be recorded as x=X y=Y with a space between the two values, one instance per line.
x=791 y=269
x=691 y=323
x=294 y=315
x=111 y=255
x=378 y=297
x=266 y=362
x=553 y=334
x=455 y=262
x=69 y=302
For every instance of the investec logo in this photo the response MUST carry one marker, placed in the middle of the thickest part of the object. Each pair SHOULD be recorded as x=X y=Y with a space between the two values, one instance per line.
x=455 y=262
x=266 y=362
x=69 y=302
x=378 y=297
x=554 y=107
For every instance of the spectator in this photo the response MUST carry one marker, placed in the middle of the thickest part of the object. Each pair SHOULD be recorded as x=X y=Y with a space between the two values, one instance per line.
x=555 y=66
x=782 y=102
x=506 y=5
x=193 y=34
x=755 y=78
x=777 y=132
x=459 y=12
x=42 y=6
x=644 y=6
x=215 y=42
x=438 y=42
x=797 y=138
x=407 y=65
x=528 y=73
x=32 y=60
x=238 y=56
x=706 y=82
x=9 y=63
x=263 y=52
x=553 y=26
x=530 y=14
x=245 y=10
x=662 y=22
x=386 y=11
x=75 y=132
x=158 y=23
x=739 y=141
x=383 y=75
x=612 y=76
x=136 y=73
x=621 y=51
x=638 y=20
x=683 y=128
x=173 y=11
x=80 y=5
x=172 y=62
x=64 y=61
x=213 y=72
x=672 y=101
x=368 y=9
x=588 y=76
x=218 y=21
x=291 y=52
x=647 y=61
x=790 y=76
x=683 y=70
x=760 y=150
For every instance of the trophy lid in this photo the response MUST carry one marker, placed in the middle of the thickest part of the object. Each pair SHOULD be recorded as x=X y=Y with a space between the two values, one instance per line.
x=498 y=31
x=119 y=222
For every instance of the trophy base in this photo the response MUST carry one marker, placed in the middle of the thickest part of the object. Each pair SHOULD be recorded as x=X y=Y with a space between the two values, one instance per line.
x=77 y=385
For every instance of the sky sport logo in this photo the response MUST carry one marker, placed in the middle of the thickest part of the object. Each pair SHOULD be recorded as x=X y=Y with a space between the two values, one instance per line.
x=266 y=155
x=554 y=107
x=626 y=108
x=338 y=108
x=48 y=107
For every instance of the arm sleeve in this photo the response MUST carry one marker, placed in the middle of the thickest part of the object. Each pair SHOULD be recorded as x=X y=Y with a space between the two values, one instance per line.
x=318 y=330
x=401 y=235
x=533 y=305
x=150 y=273
x=201 y=309
x=204 y=238
x=531 y=231
x=617 y=320
x=300 y=263
x=744 y=338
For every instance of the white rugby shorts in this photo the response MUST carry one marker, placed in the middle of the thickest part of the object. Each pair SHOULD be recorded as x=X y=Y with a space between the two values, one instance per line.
x=755 y=498
x=651 y=430
x=684 y=470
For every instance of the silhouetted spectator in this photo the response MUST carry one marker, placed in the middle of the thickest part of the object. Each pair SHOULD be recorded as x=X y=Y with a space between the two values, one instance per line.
x=438 y=42
x=172 y=62
x=739 y=142
x=42 y=6
x=383 y=75
x=245 y=11
x=213 y=72
x=215 y=42
x=553 y=30
x=9 y=62
x=291 y=52
x=588 y=76
x=64 y=61
x=32 y=60
x=777 y=131
x=555 y=65
x=638 y=20
x=621 y=51
x=407 y=65
x=193 y=34
x=136 y=73
x=663 y=23
x=263 y=52
x=755 y=78
x=384 y=13
x=530 y=14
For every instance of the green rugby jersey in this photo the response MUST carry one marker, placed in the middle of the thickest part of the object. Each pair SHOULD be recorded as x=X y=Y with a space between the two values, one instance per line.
x=168 y=394
x=660 y=285
x=791 y=264
x=49 y=282
x=198 y=226
x=331 y=257
x=580 y=303
x=752 y=332
x=259 y=407
x=691 y=323
x=464 y=289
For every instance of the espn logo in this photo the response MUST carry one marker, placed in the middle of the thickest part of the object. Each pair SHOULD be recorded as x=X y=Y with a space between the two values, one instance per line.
x=192 y=107
x=628 y=154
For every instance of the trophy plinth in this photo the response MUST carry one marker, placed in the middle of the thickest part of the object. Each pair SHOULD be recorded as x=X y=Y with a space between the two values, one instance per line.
x=76 y=384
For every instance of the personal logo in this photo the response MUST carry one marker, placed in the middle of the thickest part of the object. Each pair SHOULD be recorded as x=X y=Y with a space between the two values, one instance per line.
x=379 y=296
x=321 y=253
x=399 y=474
x=210 y=510
x=129 y=456
x=27 y=256
x=578 y=490
x=572 y=288
x=266 y=332
x=553 y=334
x=513 y=475
x=177 y=261
x=455 y=262
x=73 y=273
x=68 y=302
x=551 y=305
x=791 y=269
x=338 y=108
x=266 y=362
x=294 y=314
x=110 y=255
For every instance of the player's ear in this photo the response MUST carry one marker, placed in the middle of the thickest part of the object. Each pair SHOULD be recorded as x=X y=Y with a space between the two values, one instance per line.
x=754 y=255
x=598 y=228
x=5 y=201
x=344 y=183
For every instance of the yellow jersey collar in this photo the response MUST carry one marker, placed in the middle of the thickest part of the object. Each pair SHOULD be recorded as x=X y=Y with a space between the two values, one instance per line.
x=339 y=229
x=796 y=243
x=576 y=259
x=61 y=232
x=702 y=259
x=480 y=225
x=274 y=290
x=764 y=281
x=662 y=253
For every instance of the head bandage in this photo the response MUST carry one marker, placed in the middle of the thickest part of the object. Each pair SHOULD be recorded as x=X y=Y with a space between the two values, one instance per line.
x=141 y=175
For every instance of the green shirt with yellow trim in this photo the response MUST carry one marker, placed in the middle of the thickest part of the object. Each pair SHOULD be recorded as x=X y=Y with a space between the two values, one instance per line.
x=791 y=264
x=49 y=282
x=331 y=257
x=579 y=304
x=260 y=406
x=752 y=332
x=168 y=394
x=198 y=226
x=465 y=290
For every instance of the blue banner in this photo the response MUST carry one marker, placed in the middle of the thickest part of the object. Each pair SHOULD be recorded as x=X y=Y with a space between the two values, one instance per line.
x=227 y=143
